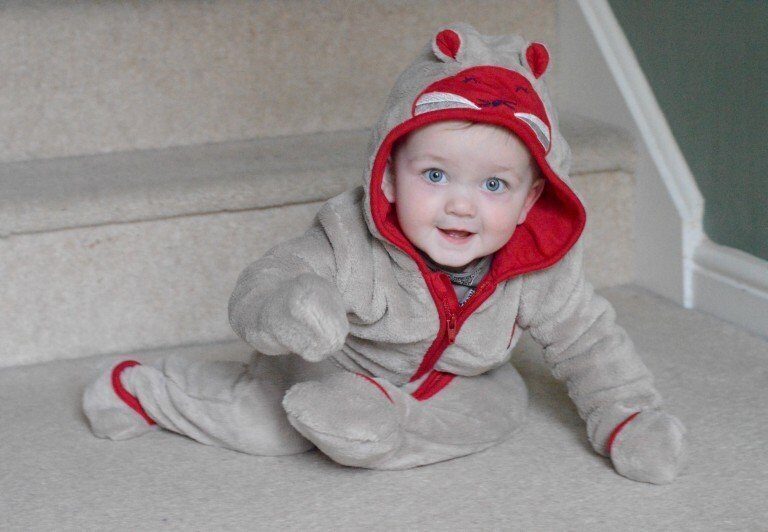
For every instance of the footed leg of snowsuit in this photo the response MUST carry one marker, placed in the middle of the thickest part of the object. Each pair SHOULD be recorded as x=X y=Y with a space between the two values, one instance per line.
x=371 y=423
x=227 y=404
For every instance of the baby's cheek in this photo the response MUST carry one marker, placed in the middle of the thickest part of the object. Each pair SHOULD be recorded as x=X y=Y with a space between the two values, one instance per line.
x=417 y=208
x=499 y=223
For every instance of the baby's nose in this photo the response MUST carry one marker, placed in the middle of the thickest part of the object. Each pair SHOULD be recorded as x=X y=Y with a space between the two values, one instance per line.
x=460 y=205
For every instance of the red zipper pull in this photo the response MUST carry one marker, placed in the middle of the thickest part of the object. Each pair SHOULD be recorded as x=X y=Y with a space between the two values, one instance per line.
x=451 y=328
x=445 y=290
x=451 y=319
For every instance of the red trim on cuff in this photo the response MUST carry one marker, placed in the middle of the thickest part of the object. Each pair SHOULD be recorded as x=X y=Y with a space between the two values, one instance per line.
x=616 y=432
x=123 y=394
x=379 y=386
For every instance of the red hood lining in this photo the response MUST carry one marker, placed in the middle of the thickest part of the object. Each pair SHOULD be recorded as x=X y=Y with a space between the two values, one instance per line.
x=553 y=224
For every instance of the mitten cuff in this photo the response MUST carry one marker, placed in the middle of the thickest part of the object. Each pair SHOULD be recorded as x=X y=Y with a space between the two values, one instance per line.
x=603 y=426
x=616 y=431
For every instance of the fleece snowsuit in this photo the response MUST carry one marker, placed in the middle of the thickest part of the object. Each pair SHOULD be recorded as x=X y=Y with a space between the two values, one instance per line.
x=363 y=350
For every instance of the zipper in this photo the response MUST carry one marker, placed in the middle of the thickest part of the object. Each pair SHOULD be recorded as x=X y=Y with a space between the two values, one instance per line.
x=450 y=315
x=444 y=293
x=435 y=381
x=467 y=296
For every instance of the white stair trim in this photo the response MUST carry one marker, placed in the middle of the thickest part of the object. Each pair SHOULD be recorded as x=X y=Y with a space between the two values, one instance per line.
x=654 y=131
x=721 y=280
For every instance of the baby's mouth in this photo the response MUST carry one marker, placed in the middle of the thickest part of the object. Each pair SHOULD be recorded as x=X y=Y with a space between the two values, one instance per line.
x=455 y=233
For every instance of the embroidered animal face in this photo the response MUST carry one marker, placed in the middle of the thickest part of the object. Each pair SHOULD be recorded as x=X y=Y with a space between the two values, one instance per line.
x=500 y=91
x=460 y=192
x=495 y=90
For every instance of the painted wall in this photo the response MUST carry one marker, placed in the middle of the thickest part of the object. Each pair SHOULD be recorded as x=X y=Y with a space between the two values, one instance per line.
x=707 y=62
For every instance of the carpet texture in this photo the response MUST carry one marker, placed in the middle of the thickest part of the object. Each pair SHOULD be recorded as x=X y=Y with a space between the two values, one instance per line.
x=55 y=475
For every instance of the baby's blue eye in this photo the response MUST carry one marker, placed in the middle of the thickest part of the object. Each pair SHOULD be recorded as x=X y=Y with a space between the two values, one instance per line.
x=495 y=184
x=434 y=175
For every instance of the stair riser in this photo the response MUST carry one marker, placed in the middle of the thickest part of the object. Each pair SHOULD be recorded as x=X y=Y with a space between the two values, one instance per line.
x=609 y=234
x=126 y=287
x=95 y=77
x=75 y=293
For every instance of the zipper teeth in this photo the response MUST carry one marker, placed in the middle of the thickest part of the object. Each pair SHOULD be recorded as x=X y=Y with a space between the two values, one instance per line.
x=432 y=386
x=439 y=347
x=468 y=296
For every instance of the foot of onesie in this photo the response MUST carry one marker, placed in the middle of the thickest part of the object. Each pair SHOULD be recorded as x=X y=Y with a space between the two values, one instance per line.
x=346 y=416
x=112 y=411
x=354 y=419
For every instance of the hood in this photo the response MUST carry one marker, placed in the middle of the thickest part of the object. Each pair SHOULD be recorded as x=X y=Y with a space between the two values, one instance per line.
x=463 y=75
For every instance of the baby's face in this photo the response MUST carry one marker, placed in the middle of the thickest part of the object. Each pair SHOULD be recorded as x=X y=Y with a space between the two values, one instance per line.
x=460 y=193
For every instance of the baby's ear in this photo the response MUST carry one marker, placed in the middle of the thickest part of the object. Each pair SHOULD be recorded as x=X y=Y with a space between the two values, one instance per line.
x=388 y=182
x=537 y=187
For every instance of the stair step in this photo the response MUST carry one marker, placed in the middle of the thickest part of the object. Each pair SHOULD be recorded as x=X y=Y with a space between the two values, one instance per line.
x=64 y=193
x=139 y=251
x=82 y=191
x=98 y=77
x=710 y=374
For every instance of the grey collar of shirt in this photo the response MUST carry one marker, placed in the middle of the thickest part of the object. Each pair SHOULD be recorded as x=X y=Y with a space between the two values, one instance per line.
x=470 y=276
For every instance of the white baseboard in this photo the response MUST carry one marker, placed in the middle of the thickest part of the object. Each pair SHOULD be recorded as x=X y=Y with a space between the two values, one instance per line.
x=732 y=285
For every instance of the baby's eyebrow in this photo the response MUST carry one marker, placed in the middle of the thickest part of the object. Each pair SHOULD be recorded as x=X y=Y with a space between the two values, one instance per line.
x=431 y=157
x=497 y=168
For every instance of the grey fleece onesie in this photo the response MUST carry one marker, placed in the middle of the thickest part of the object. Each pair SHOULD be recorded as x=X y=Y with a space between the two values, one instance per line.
x=365 y=352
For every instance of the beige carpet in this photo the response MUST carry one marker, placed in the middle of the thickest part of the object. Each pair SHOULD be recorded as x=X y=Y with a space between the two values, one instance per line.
x=54 y=475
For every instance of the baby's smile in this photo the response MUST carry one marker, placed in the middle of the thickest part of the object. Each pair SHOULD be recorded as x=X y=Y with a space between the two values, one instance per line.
x=456 y=236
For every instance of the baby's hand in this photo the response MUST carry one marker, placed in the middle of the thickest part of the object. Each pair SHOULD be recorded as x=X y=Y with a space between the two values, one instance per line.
x=650 y=448
x=307 y=316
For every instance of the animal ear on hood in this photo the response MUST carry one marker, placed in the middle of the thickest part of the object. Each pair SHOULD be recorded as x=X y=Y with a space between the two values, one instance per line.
x=448 y=45
x=536 y=57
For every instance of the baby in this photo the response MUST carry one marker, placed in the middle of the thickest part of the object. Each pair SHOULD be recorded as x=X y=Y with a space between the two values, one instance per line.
x=383 y=334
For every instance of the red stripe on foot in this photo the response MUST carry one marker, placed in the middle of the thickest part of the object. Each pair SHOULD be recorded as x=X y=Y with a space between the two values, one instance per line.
x=616 y=432
x=379 y=386
x=123 y=394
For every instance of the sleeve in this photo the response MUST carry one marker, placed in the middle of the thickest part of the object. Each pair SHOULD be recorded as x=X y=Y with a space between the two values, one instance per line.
x=583 y=346
x=288 y=263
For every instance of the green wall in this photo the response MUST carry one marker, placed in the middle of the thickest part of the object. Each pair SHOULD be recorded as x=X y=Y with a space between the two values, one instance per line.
x=707 y=62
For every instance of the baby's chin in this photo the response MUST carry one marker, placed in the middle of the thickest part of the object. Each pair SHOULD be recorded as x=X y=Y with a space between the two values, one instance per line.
x=456 y=264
